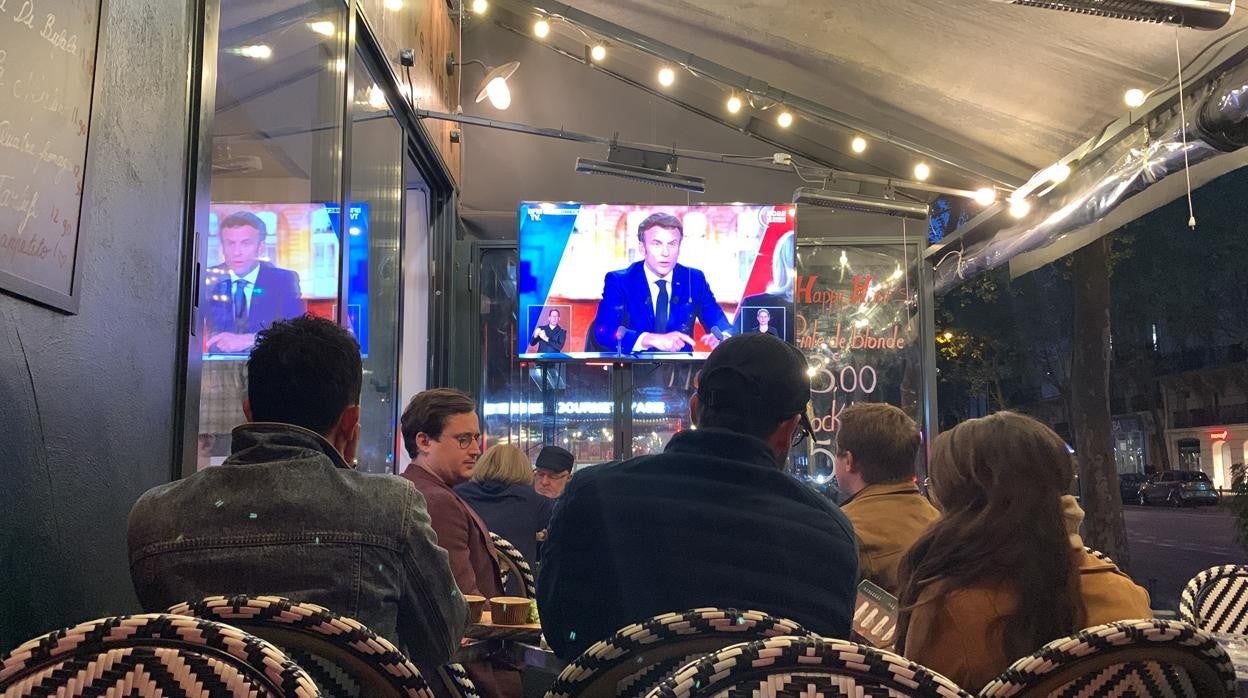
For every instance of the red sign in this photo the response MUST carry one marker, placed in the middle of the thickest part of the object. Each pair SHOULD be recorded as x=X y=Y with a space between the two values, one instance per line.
x=1219 y=435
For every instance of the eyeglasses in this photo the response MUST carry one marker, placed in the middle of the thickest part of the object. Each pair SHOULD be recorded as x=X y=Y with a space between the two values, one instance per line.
x=803 y=430
x=464 y=440
x=541 y=474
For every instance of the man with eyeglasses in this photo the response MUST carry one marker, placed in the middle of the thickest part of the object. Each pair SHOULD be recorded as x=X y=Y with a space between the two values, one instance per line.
x=442 y=434
x=552 y=471
x=714 y=520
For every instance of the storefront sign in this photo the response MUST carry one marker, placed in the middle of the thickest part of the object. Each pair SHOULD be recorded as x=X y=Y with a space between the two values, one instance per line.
x=1219 y=435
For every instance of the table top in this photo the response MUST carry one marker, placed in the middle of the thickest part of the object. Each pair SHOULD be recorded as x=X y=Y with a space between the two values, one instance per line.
x=486 y=629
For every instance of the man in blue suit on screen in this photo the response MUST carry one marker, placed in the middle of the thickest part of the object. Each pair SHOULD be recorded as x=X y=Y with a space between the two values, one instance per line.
x=652 y=304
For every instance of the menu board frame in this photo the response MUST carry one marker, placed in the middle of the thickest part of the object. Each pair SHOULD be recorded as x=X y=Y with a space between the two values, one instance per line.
x=69 y=244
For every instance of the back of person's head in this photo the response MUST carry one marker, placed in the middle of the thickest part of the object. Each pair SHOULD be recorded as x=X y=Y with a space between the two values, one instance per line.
x=503 y=463
x=428 y=411
x=999 y=481
x=305 y=371
x=754 y=384
x=883 y=440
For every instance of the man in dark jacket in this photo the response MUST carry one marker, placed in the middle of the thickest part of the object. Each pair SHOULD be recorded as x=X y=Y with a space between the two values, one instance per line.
x=288 y=515
x=712 y=521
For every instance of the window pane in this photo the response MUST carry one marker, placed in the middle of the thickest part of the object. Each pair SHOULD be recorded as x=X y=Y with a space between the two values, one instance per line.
x=372 y=297
x=271 y=249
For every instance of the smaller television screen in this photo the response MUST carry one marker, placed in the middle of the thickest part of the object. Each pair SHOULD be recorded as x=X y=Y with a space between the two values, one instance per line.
x=268 y=262
x=645 y=282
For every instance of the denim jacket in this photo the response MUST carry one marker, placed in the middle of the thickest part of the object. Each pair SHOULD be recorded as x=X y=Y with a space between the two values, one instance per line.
x=286 y=516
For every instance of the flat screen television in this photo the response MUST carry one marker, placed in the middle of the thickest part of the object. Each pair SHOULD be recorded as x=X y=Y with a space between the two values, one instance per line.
x=267 y=262
x=649 y=282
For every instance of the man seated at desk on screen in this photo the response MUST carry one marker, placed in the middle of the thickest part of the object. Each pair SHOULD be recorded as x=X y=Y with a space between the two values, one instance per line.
x=550 y=337
x=243 y=294
x=652 y=304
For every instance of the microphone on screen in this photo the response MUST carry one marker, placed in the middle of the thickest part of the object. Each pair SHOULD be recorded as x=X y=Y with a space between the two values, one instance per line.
x=619 y=338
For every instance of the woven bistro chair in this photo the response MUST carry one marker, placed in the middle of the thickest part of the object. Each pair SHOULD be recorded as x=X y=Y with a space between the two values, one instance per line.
x=343 y=656
x=514 y=566
x=811 y=667
x=152 y=655
x=639 y=656
x=1150 y=658
x=1216 y=600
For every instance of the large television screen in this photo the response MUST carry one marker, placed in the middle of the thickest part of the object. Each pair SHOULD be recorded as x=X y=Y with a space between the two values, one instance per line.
x=648 y=282
x=267 y=262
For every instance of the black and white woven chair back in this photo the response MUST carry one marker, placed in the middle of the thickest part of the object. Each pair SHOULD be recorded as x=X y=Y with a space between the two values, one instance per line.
x=811 y=667
x=1140 y=658
x=343 y=656
x=453 y=682
x=1099 y=555
x=152 y=655
x=640 y=656
x=514 y=566
x=1216 y=600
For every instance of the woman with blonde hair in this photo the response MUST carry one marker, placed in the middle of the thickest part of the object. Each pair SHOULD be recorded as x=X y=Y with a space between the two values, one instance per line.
x=1003 y=571
x=501 y=492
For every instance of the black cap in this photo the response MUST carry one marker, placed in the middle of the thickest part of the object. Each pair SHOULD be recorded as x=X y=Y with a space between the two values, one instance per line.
x=555 y=459
x=755 y=372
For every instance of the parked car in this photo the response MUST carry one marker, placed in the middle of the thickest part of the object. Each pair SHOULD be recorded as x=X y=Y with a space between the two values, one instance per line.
x=1179 y=487
x=1129 y=485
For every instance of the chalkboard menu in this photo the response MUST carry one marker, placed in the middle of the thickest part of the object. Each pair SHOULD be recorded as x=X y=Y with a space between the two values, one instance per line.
x=47 y=71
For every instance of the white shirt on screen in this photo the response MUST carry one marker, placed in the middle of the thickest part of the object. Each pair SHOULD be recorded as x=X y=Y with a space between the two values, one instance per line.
x=250 y=277
x=651 y=278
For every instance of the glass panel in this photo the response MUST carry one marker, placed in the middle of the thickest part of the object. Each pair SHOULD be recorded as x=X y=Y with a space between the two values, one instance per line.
x=414 y=366
x=271 y=249
x=857 y=323
x=660 y=403
x=372 y=262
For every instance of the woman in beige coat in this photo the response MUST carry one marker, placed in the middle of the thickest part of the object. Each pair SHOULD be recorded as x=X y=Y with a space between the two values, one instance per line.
x=1003 y=571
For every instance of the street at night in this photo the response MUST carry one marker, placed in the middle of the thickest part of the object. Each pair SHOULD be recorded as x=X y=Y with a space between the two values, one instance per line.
x=1169 y=546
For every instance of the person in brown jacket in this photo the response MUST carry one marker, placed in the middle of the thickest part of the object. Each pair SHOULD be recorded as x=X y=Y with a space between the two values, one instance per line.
x=1003 y=571
x=442 y=435
x=876 y=449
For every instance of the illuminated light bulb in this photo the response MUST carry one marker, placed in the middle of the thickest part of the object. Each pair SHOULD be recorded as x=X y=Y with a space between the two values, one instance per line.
x=498 y=93
x=259 y=51
x=1134 y=97
x=785 y=119
x=1019 y=207
x=811 y=371
x=393 y=4
x=598 y=52
x=922 y=171
x=734 y=104
x=541 y=28
x=666 y=77
x=948 y=336
x=480 y=6
x=1059 y=172
x=376 y=98
x=322 y=28
x=859 y=144
x=985 y=196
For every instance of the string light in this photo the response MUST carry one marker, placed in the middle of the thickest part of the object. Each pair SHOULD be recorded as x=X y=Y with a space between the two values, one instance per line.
x=1019 y=207
x=1134 y=97
x=1059 y=172
x=666 y=77
x=734 y=104
x=541 y=28
x=785 y=119
x=922 y=171
x=859 y=144
x=985 y=196
x=598 y=52
x=322 y=28
x=480 y=6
